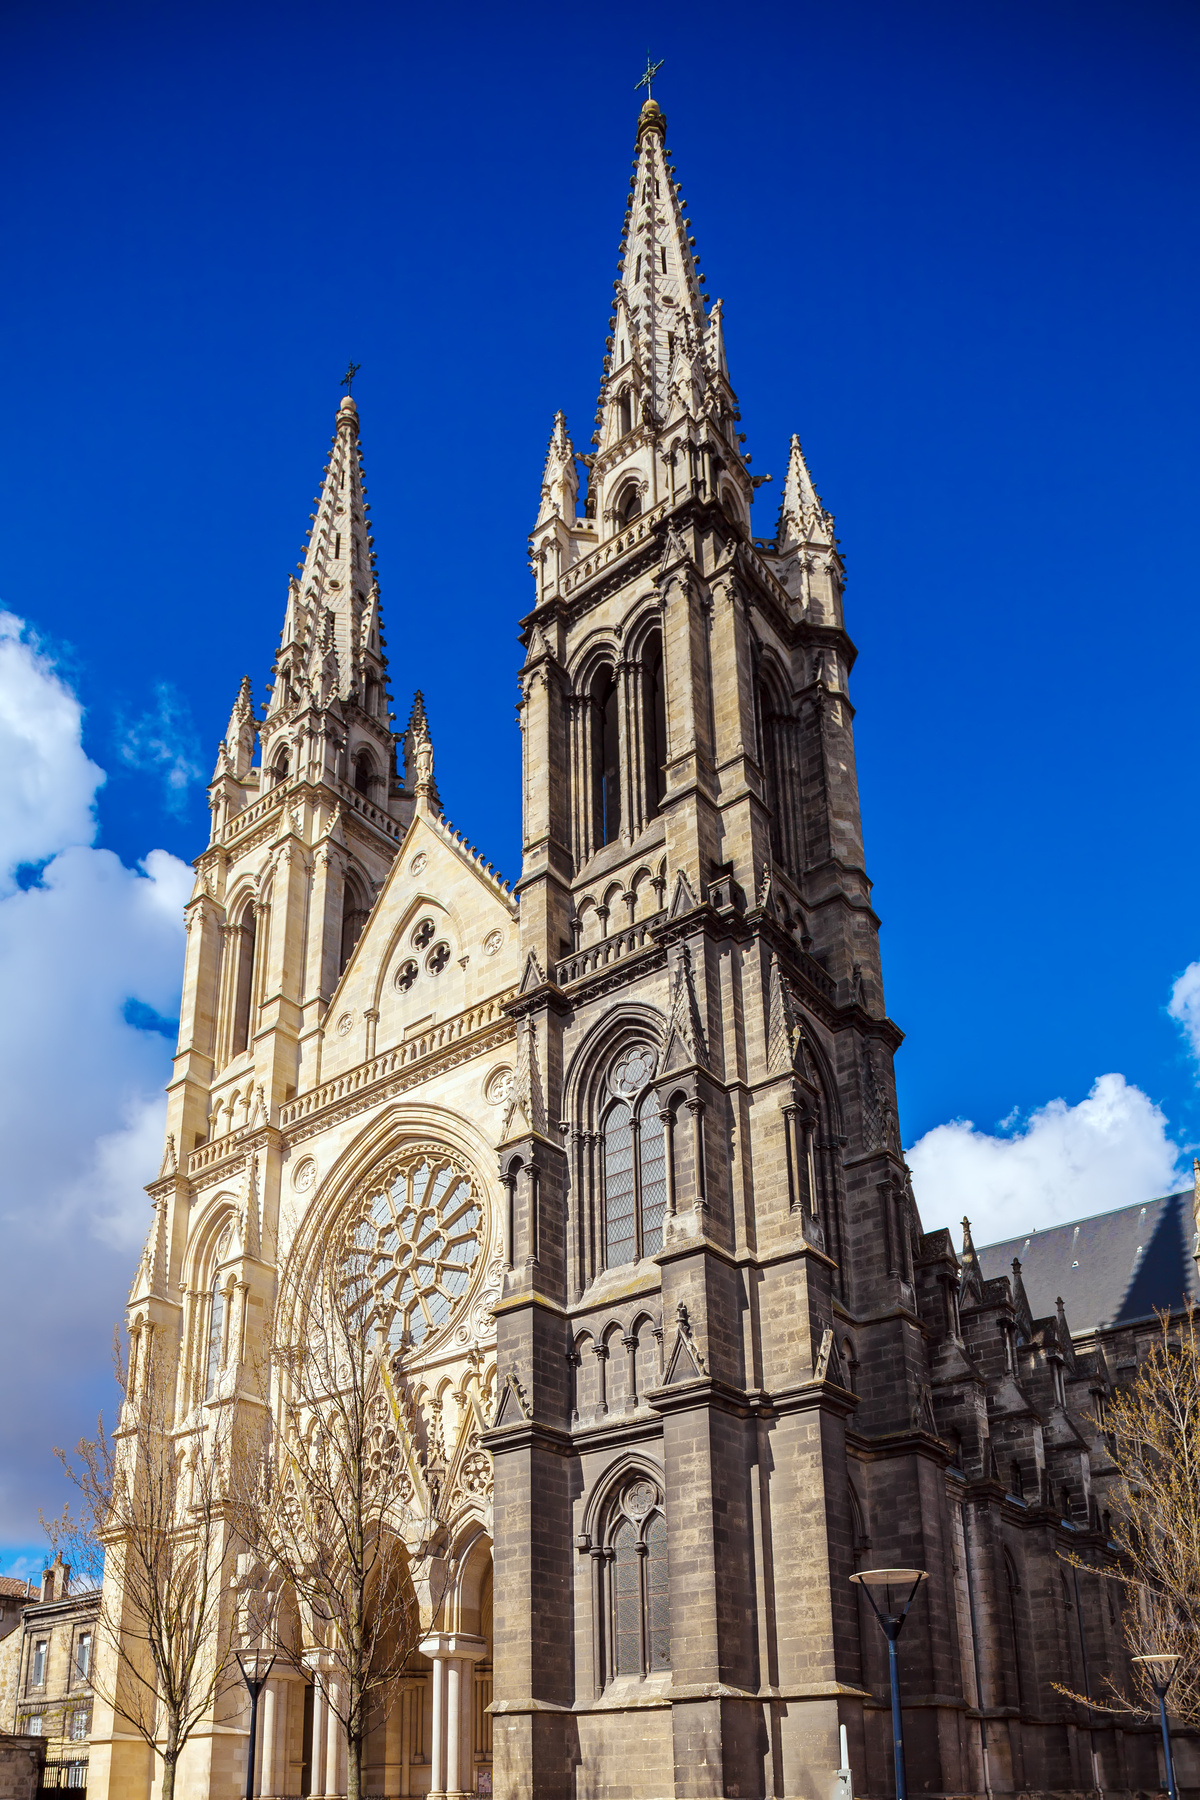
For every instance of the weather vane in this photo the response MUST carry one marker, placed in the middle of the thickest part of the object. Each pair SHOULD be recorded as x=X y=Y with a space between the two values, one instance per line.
x=348 y=378
x=652 y=69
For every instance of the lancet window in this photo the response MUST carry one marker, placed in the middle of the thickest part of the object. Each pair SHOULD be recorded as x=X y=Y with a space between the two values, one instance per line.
x=654 y=726
x=606 y=759
x=355 y=907
x=779 y=754
x=243 y=941
x=619 y=749
x=633 y=1602
x=635 y=1165
x=629 y=504
x=215 y=1359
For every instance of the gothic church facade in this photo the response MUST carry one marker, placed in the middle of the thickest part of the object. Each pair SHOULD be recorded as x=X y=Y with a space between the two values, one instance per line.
x=682 y=1357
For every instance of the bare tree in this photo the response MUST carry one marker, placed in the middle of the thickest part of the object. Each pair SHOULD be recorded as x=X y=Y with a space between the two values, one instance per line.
x=327 y=1505
x=151 y=1509
x=1153 y=1429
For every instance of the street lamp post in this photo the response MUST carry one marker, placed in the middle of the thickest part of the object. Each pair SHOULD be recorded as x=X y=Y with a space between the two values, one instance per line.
x=256 y=1666
x=891 y=1621
x=1159 y=1672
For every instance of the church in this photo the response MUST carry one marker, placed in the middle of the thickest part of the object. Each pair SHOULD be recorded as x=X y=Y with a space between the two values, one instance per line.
x=679 y=1358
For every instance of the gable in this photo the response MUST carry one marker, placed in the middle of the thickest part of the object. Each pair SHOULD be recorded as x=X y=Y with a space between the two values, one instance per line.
x=441 y=939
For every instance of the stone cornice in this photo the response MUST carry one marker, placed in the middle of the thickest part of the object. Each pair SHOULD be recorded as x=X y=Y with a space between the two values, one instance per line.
x=408 y=1065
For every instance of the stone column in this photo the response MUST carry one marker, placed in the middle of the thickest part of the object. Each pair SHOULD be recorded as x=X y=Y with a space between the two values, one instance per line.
x=333 y=1742
x=320 y=1723
x=467 y=1726
x=437 y=1735
x=453 y=1654
x=266 y=1767
x=454 y=1669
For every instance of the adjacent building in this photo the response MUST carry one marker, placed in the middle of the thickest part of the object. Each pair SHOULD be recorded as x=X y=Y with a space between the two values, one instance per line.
x=53 y=1671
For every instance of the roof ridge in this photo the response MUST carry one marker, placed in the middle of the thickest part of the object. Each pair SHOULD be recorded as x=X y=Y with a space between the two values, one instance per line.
x=1086 y=1219
x=458 y=841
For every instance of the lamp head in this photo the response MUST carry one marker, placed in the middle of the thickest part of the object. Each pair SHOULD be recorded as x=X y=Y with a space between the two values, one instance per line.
x=255 y=1665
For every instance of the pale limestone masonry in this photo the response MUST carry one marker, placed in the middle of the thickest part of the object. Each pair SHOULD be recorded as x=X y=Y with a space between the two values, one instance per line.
x=699 y=1333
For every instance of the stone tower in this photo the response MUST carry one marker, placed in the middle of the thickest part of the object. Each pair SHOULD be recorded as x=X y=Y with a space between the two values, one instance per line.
x=711 y=1225
x=326 y=803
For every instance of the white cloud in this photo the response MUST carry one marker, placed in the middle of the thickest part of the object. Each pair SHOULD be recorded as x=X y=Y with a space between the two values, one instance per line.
x=163 y=742
x=1065 y=1162
x=1184 y=1006
x=49 y=785
x=90 y=946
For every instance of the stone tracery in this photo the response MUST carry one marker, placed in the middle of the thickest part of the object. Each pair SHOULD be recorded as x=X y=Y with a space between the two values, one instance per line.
x=413 y=1244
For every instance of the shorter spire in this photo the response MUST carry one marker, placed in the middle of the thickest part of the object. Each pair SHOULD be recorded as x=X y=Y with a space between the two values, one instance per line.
x=560 y=482
x=237 y=748
x=801 y=508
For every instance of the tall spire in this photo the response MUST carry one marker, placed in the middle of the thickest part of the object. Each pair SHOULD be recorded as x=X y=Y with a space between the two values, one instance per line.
x=659 y=334
x=332 y=635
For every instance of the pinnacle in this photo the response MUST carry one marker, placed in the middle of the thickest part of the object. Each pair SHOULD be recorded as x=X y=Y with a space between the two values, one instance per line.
x=560 y=483
x=800 y=507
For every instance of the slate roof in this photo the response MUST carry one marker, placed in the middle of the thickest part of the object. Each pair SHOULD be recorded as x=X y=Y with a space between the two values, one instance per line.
x=1110 y=1270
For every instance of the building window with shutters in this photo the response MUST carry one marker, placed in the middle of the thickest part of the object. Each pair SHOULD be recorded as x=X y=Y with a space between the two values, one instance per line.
x=635 y=1161
x=633 y=1604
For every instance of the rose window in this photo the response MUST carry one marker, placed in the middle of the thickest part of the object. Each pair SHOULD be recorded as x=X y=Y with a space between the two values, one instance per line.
x=413 y=1247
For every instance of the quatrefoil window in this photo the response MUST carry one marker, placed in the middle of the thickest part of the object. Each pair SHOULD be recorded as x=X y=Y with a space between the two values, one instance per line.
x=438 y=958
x=423 y=934
x=405 y=976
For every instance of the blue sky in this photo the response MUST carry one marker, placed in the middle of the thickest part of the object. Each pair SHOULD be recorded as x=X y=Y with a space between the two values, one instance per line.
x=958 y=253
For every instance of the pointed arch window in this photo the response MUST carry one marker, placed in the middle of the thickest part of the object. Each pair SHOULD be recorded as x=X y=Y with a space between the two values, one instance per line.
x=606 y=759
x=354 y=917
x=625 y=402
x=629 y=505
x=279 y=768
x=244 y=940
x=364 y=771
x=635 y=1163
x=216 y=1339
x=654 y=726
x=778 y=761
x=634 y=1599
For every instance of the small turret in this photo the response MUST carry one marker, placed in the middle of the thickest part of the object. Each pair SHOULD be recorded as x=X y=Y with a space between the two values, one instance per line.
x=560 y=483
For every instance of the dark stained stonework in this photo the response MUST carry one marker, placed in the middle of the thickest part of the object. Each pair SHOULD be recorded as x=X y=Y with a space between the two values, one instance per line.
x=801 y=1380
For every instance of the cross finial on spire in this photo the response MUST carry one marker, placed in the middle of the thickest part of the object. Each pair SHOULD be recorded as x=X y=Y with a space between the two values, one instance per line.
x=652 y=69
x=347 y=380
